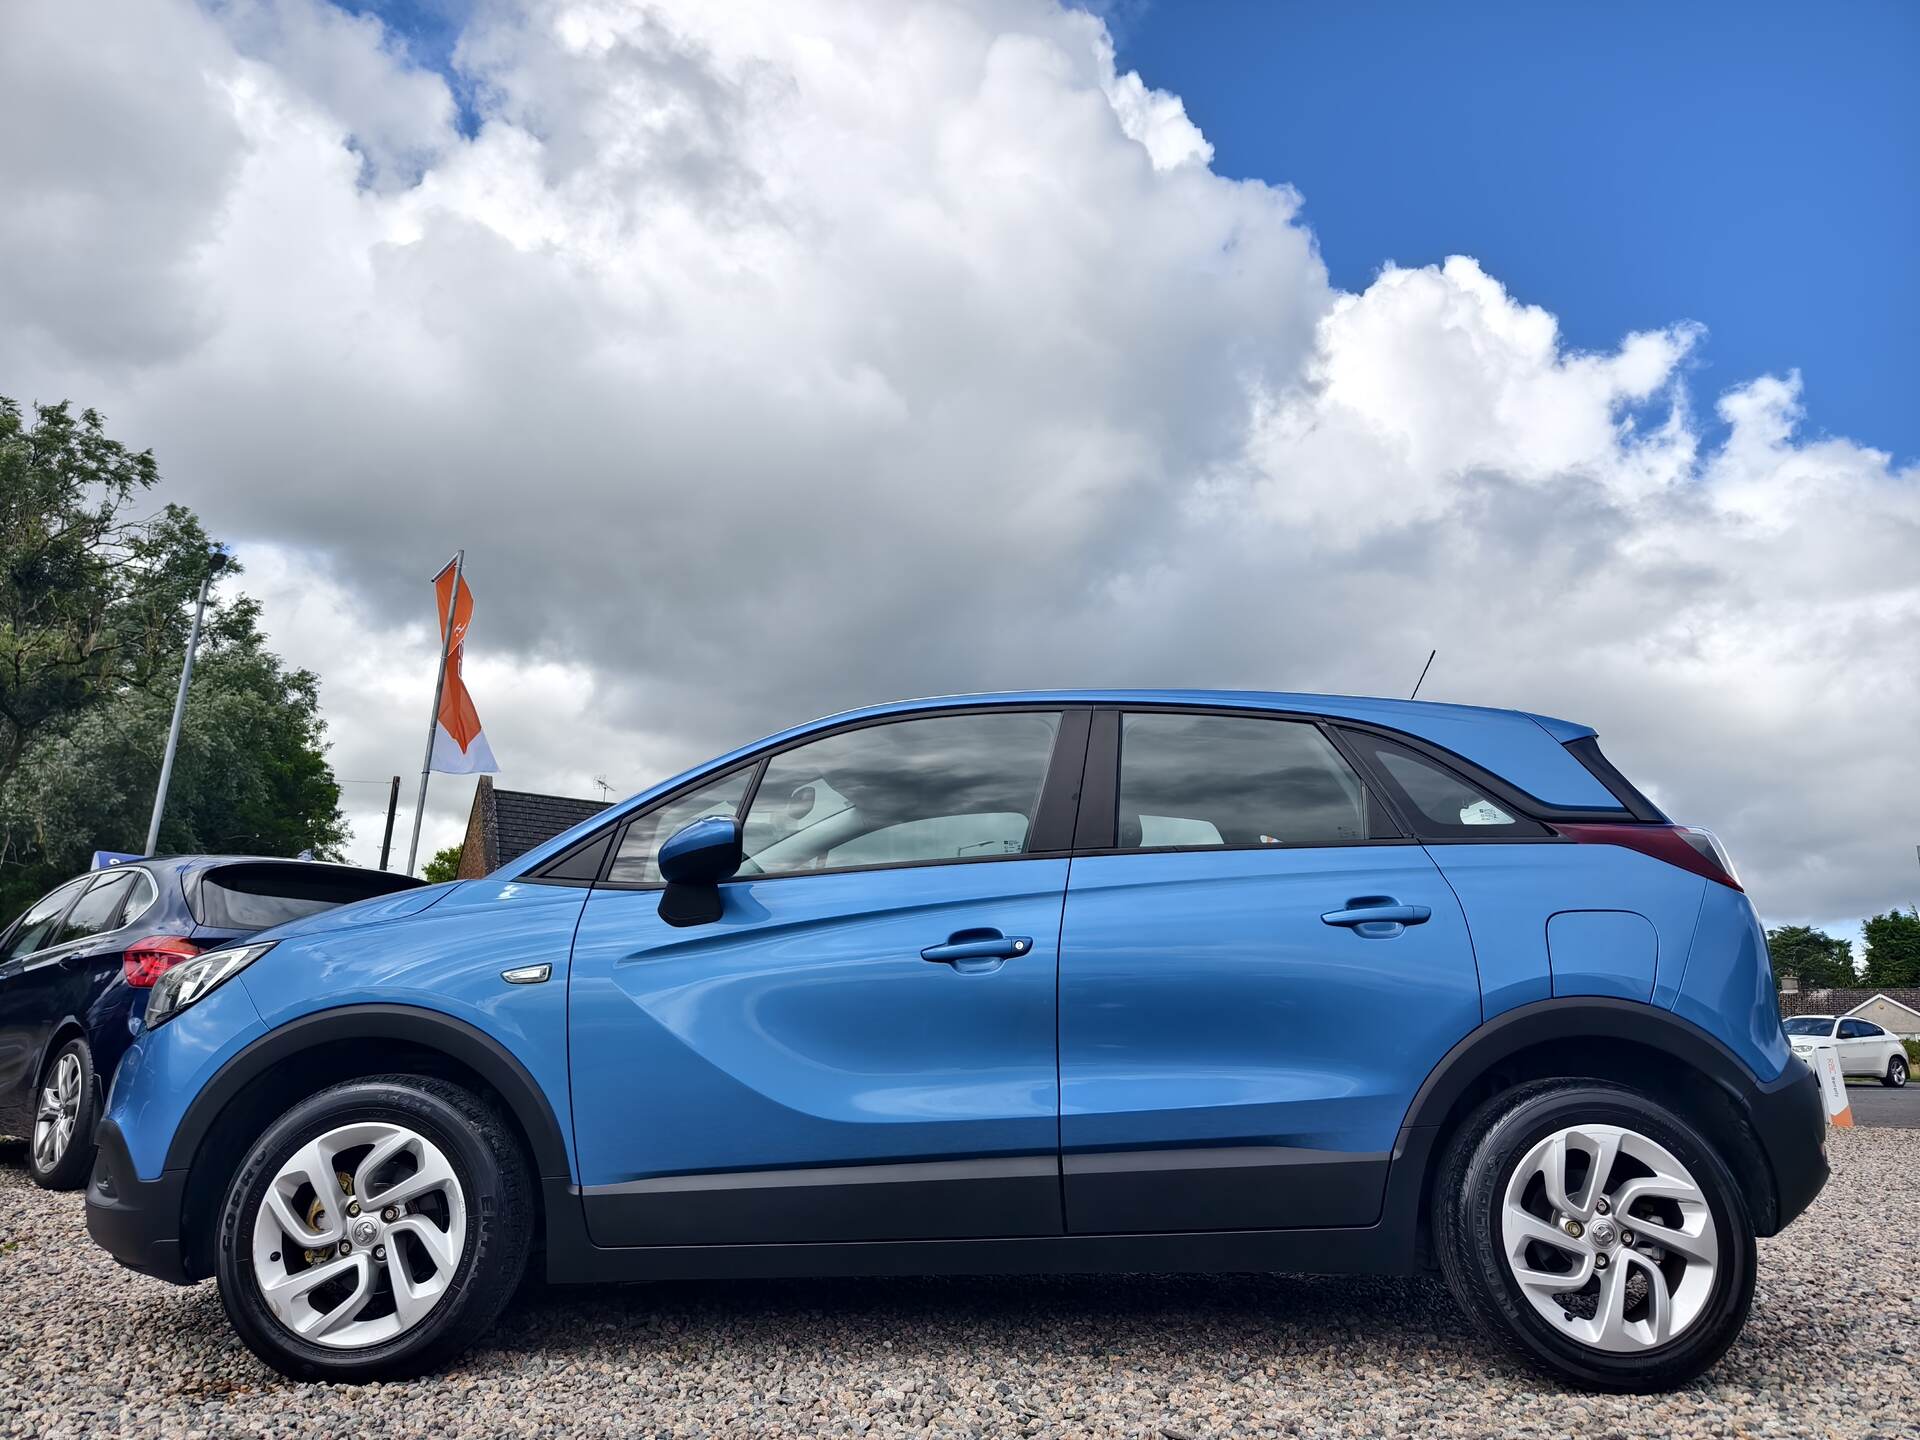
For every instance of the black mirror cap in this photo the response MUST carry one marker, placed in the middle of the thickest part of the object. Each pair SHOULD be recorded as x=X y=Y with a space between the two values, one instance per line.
x=703 y=853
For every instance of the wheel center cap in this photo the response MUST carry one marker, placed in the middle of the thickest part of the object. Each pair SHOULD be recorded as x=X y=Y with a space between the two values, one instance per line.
x=1603 y=1232
x=365 y=1232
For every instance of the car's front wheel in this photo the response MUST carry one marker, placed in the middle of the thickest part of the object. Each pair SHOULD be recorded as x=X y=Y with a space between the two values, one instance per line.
x=1896 y=1075
x=1595 y=1234
x=61 y=1150
x=375 y=1230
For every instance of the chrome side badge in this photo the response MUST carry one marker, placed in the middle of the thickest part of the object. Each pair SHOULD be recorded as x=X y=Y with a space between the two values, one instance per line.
x=527 y=974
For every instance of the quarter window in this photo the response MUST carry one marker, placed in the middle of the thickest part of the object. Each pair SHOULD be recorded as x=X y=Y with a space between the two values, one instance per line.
x=1441 y=804
x=946 y=787
x=638 y=862
x=1204 y=780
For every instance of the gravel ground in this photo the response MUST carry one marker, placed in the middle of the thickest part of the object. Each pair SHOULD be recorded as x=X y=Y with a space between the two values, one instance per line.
x=1832 y=1349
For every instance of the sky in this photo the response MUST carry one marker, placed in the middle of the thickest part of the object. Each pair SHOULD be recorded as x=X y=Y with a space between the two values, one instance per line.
x=789 y=355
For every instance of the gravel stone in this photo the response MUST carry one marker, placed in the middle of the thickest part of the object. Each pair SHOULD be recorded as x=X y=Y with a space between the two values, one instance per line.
x=1831 y=1350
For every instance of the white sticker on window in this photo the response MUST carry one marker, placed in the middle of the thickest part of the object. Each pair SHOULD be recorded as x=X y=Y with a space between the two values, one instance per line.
x=1484 y=812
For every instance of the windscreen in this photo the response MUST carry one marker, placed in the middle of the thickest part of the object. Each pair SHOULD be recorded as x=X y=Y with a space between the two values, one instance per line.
x=254 y=896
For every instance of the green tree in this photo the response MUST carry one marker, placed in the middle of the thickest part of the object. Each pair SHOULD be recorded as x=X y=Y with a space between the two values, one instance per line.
x=1821 y=961
x=93 y=598
x=445 y=865
x=1893 y=949
x=95 y=605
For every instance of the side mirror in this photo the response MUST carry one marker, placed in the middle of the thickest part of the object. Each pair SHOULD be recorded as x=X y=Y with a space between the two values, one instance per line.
x=693 y=862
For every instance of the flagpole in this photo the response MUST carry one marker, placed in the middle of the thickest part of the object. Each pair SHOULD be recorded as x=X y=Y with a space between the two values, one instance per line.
x=433 y=716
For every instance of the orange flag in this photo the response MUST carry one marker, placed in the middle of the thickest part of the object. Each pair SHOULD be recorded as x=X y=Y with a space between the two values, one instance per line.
x=459 y=745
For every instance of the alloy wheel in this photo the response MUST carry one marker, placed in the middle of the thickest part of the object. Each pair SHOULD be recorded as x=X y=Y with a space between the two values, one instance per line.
x=1897 y=1071
x=59 y=1112
x=1610 y=1238
x=358 y=1237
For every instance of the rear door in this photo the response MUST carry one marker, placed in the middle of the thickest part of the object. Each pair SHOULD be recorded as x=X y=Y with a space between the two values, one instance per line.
x=1860 y=1047
x=1257 y=972
x=863 y=1045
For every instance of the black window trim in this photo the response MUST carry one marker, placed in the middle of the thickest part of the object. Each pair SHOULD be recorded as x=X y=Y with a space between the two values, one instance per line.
x=1053 y=817
x=1081 y=807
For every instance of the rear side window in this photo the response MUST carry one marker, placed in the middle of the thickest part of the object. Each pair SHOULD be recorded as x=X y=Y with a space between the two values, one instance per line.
x=1441 y=804
x=99 y=909
x=1857 y=1030
x=252 y=897
x=1193 y=781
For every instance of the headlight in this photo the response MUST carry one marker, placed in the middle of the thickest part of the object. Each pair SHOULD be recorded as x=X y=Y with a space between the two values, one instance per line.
x=181 y=985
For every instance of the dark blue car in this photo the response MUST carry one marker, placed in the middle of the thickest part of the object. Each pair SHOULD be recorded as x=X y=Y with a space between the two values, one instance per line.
x=78 y=965
x=1059 y=981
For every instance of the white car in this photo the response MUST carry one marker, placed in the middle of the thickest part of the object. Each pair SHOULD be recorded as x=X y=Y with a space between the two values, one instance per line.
x=1865 y=1049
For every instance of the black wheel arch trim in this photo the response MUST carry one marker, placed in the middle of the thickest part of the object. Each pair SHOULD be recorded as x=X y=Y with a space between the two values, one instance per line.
x=1575 y=1017
x=431 y=1029
x=1784 y=1118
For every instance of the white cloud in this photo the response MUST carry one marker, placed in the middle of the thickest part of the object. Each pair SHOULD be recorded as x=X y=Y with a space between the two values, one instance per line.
x=771 y=357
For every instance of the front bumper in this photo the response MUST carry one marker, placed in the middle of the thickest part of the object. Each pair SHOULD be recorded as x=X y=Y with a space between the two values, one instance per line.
x=1789 y=1120
x=136 y=1221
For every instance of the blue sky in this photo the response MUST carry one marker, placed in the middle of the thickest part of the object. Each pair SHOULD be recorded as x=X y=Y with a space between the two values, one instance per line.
x=1754 y=167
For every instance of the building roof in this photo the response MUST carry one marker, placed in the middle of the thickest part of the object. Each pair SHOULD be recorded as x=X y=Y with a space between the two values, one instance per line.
x=524 y=819
x=505 y=824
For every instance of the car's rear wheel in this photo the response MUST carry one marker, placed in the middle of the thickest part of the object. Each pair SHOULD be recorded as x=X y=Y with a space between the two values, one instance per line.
x=1896 y=1075
x=60 y=1152
x=1596 y=1235
x=375 y=1230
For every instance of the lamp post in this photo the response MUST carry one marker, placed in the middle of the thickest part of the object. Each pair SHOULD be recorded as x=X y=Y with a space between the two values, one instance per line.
x=216 y=560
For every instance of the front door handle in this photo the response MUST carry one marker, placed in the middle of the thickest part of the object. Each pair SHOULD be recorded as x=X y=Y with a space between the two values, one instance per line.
x=1377 y=917
x=976 y=950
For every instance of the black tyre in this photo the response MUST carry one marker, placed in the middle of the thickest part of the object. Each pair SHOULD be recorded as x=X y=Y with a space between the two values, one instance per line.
x=375 y=1230
x=1896 y=1075
x=66 y=1108
x=1594 y=1234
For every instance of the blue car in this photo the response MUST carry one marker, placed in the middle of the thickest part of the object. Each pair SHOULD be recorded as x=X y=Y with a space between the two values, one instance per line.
x=76 y=966
x=1063 y=981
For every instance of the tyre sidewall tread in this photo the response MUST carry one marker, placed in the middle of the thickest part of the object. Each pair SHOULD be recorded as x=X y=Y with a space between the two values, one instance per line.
x=1467 y=1204
x=71 y=1170
x=487 y=1159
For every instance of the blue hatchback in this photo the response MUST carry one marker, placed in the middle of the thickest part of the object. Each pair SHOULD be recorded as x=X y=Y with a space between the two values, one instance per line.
x=1063 y=981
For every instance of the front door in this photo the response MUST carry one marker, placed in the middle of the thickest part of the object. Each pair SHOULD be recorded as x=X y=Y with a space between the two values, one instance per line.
x=1255 y=978
x=27 y=1000
x=863 y=1045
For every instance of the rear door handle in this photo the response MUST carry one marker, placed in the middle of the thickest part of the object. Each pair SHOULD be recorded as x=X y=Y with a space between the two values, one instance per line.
x=977 y=950
x=1377 y=917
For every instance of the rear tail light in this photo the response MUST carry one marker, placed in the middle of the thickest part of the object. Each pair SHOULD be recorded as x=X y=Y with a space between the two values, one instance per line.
x=1684 y=845
x=147 y=960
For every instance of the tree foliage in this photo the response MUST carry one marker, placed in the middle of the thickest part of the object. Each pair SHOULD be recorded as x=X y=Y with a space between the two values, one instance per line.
x=445 y=865
x=1893 y=949
x=95 y=606
x=1821 y=961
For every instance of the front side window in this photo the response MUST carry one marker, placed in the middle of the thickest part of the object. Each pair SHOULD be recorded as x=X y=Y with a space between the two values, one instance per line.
x=638 y=861
x=1441 y=804
x=35 y=931
x=1205 y=780
x=97 y=910
x=946 y=787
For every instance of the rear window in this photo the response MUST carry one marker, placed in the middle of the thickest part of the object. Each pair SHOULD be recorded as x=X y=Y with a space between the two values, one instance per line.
x=252 y=897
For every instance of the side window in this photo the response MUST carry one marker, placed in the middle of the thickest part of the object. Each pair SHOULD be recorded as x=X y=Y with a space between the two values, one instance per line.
x=1441 y=804
x=638 y=859
x=946 y=787
x=1199 y=780
x=145 y=893
x=1854 y=1030
x=97 y=910
x=35 y=931
x=1871 y=1031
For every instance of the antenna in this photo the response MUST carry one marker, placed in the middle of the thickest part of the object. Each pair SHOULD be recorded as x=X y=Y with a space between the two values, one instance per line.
x=1423 y=674
x=606 y=790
